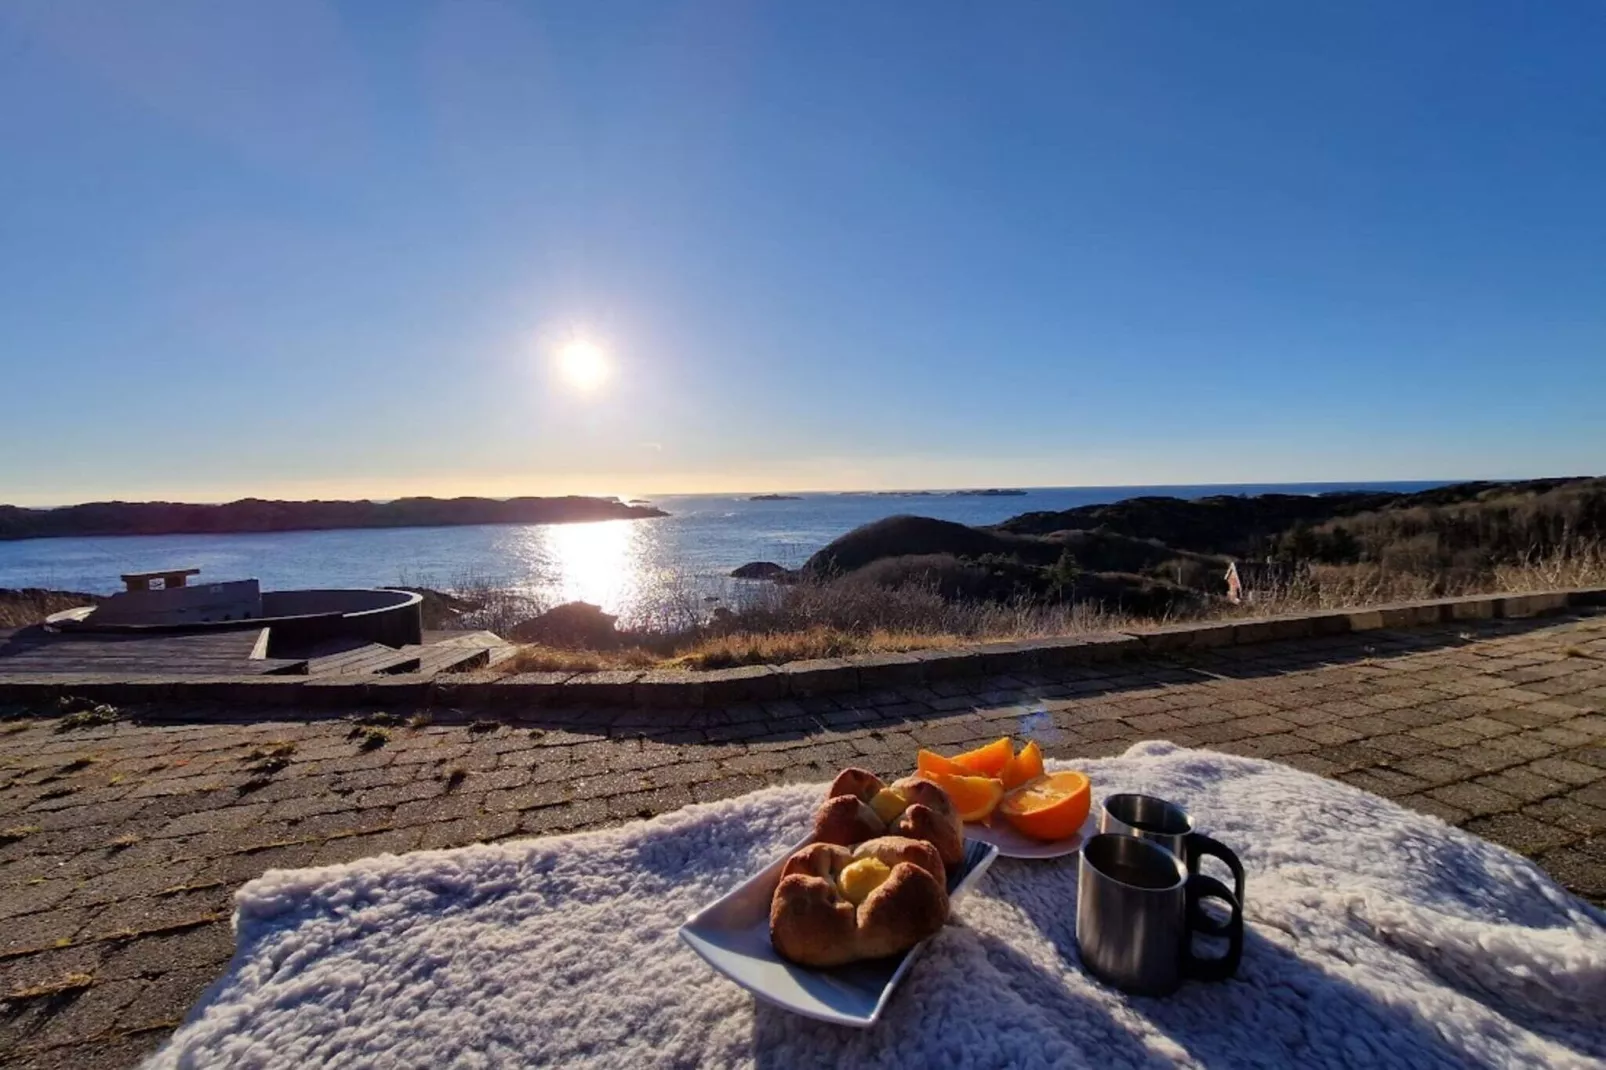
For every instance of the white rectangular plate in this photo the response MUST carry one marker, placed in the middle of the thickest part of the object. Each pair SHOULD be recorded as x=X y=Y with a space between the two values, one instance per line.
x=732 y=935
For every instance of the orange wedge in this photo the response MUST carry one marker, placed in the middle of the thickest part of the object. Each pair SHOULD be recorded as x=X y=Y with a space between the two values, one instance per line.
x=929 y=762
x=973 y=796
x=1024 y=766
x=1050 y=807
x=988 y=760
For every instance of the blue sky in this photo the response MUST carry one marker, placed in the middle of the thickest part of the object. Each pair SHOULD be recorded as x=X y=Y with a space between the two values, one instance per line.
x=309 y=248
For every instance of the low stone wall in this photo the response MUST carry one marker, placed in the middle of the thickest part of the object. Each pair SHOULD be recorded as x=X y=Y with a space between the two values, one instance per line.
x=680 y=689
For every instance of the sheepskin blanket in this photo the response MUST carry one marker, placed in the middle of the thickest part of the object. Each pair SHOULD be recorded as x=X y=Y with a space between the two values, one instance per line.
x=1376 y=937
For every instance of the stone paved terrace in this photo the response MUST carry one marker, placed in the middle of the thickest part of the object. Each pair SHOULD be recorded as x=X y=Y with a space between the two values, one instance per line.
x=123 y=843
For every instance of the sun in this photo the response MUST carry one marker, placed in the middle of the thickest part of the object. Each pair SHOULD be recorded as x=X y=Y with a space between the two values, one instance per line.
x=583 y=364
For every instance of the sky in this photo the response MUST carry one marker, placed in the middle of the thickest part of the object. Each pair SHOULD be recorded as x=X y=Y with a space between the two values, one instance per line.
x=310 y=248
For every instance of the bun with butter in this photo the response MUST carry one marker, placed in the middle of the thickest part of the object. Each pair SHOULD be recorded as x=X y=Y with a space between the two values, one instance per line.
x=837 y=904
x=859 y=807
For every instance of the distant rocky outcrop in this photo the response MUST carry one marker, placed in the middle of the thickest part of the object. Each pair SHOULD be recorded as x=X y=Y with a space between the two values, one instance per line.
x=776 y=498
x=257 y=515
x=760 y=570
x=899 y=536
x=992 y=492
x=579 y=625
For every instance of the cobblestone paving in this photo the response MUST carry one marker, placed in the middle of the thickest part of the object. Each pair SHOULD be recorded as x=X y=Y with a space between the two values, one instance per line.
x=121 y=845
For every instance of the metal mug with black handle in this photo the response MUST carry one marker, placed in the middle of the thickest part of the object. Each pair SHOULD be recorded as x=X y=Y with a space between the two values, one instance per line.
x=1138 y=909
x=1170 y=826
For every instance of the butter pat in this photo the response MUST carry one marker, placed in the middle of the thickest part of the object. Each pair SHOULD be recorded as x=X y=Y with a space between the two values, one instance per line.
x=859 y=879
x=888 y=805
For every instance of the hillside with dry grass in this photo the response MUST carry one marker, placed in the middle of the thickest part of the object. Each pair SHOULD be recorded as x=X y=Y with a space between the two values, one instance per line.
x=907 y=583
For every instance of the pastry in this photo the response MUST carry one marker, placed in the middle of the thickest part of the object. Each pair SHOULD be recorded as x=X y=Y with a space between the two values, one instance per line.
x=859 y=807
x=836 y=905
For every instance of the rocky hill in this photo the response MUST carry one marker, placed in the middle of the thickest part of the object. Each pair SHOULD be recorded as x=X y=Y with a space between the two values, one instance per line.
x=1147 y=554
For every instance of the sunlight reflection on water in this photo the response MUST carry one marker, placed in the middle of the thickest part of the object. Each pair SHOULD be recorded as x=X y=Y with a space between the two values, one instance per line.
x=598 y=563
x=615 y=564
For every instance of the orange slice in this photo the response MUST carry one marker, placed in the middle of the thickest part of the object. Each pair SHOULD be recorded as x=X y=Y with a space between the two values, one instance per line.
x=1027 y=765
x=973 y=796
x=988 y=760
x=929 y=762
x=1051 y=807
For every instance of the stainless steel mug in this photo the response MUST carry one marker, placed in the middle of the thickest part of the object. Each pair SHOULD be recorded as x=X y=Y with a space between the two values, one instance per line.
x=1137 y=910
x=1170 y=826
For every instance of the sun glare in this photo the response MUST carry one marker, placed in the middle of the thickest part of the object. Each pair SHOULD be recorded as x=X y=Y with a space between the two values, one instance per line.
x=582 y=364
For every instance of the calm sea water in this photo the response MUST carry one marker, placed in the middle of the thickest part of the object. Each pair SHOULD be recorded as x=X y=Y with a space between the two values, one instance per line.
x=627 y=566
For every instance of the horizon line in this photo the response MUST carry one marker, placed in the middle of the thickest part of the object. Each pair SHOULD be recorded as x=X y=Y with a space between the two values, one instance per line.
x=816 y=492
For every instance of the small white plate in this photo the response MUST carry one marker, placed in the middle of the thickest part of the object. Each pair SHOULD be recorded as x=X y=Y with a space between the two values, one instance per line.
x=1012 y=844
x=732 y=935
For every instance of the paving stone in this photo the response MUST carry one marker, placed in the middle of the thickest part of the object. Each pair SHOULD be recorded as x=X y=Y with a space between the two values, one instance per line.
x=1329 y=734
x=1562 y=735
x=1571 y=814
x=151 y=956
x=1433 y=769
x=1579 y=869
x=84 y=1016
x=1445 y=735
x=1383 y=781
x=1475 y=799
x=1282 y=745
x=32 y=897
x=1401 y=745
x=351 y=848
x=482 y=828
x=163 y=1001
x=41 y=929
x=1427 y=804
x=1521 y=784
x=1520 y=832
x=1595 y=756
x=1311 y=762
x=1566 y=771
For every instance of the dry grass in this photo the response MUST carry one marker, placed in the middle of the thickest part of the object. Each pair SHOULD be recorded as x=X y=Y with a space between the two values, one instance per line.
x=781 y=624
x=537 y=658
x=1577 y=564
x=747 y=648
x=784 y=624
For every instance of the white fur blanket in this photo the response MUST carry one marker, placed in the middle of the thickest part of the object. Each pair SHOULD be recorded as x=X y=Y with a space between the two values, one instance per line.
x=1377 y=937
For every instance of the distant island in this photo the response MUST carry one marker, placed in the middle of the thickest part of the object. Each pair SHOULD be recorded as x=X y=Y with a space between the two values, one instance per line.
x=258 y=515
x=992 y=493
x=776 y=498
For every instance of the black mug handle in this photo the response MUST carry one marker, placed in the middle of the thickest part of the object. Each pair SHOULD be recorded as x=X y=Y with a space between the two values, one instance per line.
x=1200 y=888
x=1200 y=845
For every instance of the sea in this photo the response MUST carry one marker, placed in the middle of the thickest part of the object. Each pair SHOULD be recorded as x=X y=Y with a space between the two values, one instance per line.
x=635 y=568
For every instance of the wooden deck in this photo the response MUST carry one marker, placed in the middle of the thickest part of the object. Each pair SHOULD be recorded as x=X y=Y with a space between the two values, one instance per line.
x=440 y=652
x=35 y=650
